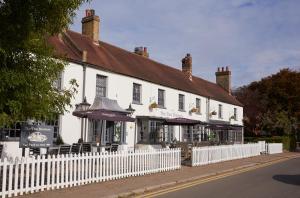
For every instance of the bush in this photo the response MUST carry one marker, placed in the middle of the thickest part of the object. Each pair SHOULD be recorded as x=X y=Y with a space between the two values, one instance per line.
x=290 y=143
x=273 y=139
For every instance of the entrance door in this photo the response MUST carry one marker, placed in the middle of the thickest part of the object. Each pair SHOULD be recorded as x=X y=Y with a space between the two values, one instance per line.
x=109 y=132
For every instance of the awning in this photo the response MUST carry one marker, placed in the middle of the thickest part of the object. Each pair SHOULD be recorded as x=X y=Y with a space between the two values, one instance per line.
x=105 y=109
x=104 y=115
x=222 y=125
x=181 y=121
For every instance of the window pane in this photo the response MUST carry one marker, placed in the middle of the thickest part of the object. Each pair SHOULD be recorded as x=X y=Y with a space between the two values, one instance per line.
x=136 y=94
x=161 y=98
x=101 y=85
x=220 y=111
x=198 y=105
x=181 y=102
x=235 y=114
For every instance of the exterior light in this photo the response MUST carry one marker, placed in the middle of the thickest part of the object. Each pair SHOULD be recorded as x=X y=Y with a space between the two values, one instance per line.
x=130 y=109
x=83 y=106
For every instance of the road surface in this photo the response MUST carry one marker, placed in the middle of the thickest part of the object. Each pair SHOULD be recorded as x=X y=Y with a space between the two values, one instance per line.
x=281 y=180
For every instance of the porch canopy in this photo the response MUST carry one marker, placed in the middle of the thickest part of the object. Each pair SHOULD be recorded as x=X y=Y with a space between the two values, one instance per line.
x=181 y=121
x=105 y=109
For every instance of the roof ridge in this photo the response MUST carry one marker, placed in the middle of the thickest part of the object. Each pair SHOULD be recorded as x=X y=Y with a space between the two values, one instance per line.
x=122 y=61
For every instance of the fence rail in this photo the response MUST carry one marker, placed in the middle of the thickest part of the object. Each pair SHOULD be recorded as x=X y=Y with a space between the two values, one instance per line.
x=273 y=148
x=29 y=175
x=214 y=154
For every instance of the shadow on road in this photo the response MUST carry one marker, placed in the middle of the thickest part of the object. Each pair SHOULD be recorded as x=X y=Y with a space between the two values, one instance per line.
x=288 y=179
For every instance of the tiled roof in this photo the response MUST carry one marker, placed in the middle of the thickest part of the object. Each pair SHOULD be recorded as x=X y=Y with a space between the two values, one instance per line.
x=108 y=57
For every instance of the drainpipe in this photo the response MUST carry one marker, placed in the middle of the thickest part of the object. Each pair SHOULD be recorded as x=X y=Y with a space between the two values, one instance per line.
x=84 y=59
x=207 y=113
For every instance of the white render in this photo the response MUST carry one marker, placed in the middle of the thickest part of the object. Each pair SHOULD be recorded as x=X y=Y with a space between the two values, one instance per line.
x=119 y=87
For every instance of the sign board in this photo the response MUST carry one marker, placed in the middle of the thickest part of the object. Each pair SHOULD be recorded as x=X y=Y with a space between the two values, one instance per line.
x=36 y=136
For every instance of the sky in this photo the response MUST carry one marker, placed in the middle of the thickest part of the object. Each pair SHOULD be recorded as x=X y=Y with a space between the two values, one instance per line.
x=255 y=38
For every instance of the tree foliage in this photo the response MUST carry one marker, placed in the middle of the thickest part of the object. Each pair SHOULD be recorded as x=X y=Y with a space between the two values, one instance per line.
x=27 y=66
x=272 y=104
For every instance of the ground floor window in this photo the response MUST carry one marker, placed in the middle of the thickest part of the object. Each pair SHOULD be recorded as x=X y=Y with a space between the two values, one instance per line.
x=13 y=131
x=107 y=132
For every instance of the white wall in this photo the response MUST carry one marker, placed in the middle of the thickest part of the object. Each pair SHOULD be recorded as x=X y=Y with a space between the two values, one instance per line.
x=228 y=111
x=70 y=130
x=120 y=88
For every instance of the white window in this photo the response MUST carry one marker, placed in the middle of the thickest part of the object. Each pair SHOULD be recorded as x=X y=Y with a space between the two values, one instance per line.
x=161 y=98
x=136 y=93
x=101 y=86
x=181 y=102
x=220 y=112
x=198 y=105
x=235 y=113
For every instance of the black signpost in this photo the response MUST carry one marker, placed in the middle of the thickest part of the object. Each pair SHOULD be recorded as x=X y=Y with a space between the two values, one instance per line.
x=36 y=136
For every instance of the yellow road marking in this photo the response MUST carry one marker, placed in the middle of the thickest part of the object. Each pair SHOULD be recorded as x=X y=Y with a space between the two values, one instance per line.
x=212 y=178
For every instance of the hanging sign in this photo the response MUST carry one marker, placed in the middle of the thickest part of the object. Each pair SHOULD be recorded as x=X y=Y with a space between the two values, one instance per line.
x=36 y=136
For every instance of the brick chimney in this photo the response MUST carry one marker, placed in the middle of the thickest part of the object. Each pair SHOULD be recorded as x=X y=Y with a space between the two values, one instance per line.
x=141 y=51
x=187 y=66
x=223 y=78
x=90 y=25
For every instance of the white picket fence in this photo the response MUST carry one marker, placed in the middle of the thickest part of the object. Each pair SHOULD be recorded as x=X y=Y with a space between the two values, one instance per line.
x=214 y=154
x=29 y=175
x=273 y=148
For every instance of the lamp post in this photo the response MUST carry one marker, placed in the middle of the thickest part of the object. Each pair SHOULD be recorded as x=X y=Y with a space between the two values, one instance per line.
x=82 y=107
x=131 y=111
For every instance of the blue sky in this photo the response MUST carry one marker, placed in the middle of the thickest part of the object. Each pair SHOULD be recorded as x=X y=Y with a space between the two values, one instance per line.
x=255 y=37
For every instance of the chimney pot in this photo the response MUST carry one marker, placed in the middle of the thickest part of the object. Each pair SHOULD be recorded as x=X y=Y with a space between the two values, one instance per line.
x=227 y=69
x=143 y=51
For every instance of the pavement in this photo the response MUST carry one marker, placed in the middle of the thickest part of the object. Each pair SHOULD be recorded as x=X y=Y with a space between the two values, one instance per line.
x=133 y=186
x=277 y=180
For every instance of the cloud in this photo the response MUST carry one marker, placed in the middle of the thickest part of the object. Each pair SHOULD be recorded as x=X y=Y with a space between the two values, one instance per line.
x=255 y=37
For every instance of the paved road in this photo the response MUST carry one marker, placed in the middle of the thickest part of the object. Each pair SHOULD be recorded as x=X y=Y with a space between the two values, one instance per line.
x=281 y=180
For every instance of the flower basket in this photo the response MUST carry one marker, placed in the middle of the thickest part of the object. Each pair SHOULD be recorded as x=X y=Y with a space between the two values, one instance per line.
x=213 y=113
x=153 y=105
x=194 y=110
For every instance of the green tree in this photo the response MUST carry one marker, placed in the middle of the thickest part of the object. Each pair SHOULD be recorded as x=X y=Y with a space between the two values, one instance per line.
x=272 y=104
x=27 y=64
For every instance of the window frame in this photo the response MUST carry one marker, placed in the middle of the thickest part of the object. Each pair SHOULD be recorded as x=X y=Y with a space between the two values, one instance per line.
x=133 y=93
x=235 y=114
x=99 y=76
x=220 y=111
x=183 y=102
x=163 y=98
x=198 y=106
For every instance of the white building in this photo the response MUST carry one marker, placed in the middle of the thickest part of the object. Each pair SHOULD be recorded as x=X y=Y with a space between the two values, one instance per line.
x=170 y=104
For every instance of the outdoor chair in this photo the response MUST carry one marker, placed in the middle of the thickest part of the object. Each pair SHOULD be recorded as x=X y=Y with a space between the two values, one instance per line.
x=53 y=151
x=64 y=149
x=76 y=148
x=86 y=148
x=1 y=150
x=114 y=147
x=108 y=147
